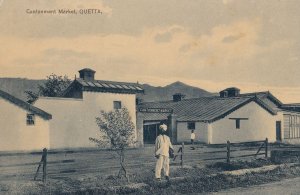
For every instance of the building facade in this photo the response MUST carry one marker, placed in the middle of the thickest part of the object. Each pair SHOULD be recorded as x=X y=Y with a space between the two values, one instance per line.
x=230 y=116
x=74 y=114
x=23 y=126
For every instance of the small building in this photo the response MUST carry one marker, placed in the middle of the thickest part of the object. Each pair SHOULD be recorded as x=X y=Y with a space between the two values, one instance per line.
x=229 y=116
x=74 y=114
x=23 y=127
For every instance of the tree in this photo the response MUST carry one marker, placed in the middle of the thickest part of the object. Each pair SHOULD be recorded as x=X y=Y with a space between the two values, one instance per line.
x=53 y=87
x=117 y=132
x=31 y=96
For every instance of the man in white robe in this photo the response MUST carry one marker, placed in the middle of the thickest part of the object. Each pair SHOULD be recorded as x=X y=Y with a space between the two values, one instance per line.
x=162 y=145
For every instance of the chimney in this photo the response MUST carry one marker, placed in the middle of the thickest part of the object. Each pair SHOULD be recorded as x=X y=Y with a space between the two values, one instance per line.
x=178 y=97
x=87 y=74
x=230 y=92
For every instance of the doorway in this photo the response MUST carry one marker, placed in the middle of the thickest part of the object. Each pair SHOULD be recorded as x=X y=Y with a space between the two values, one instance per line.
x=278 y=130
x=150 y=133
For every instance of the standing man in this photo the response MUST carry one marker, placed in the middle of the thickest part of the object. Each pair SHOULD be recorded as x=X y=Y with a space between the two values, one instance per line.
x=193 y=136
x=162 y=146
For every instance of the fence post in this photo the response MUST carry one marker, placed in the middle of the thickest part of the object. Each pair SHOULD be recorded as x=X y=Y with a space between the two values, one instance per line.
x=266 y=148
x=45 y=164
x=228 y=152
x=181 y=156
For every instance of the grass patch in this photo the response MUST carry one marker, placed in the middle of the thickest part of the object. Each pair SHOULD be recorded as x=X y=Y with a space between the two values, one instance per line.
x=236 y=165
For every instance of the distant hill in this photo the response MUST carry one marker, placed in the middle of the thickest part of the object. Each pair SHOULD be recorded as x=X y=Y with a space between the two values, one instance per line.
x=166 y=93
x=17 y=87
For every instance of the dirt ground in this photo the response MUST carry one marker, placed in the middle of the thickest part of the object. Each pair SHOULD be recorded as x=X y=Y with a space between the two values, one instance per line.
x=96 y=171
x=77 y=163
x=187 y=180
x=286 y=186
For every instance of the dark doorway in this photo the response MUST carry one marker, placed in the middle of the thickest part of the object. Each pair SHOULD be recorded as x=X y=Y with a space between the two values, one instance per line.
x=278 y=130
x=150 y=133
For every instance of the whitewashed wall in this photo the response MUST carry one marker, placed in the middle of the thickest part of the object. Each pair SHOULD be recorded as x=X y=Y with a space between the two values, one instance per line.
x=184 y=134
x=67 y=121
x=16 y=135
x=74 y=120
x=95 y=102
x=261 y=124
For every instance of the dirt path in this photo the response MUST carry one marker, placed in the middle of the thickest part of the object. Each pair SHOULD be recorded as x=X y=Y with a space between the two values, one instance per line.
x=286 y=186
x=82 y=163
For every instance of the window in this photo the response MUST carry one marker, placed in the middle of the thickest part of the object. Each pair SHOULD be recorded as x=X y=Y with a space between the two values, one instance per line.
x=238 y=122
x=191 y=125
x=292 y=127
x=117 y=105
x=30 y=119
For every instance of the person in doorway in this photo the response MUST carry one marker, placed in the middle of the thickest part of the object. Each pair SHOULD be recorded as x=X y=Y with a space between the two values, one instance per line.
x=162 y=146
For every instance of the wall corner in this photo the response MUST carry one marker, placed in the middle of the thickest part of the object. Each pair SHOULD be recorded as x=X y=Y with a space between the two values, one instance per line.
x=139 y=129
x=172 y=123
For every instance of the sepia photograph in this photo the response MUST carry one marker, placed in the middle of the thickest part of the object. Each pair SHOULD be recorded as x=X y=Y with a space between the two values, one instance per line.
x=149 y=97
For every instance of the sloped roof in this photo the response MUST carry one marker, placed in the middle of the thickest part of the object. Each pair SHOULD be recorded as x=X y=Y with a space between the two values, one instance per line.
x=105 y=86
x=265 y=96
x=206 y=109
x=25 y=105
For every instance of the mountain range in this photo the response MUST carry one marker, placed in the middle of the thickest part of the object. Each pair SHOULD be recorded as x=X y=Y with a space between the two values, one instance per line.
x=18 y=86
x=152 y=93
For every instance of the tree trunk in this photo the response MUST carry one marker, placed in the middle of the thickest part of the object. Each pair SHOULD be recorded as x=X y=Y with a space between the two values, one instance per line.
x=122 y=170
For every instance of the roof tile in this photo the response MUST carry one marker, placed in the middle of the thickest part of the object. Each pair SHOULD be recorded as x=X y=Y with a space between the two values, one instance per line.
x=105 y=86
x=207 y=108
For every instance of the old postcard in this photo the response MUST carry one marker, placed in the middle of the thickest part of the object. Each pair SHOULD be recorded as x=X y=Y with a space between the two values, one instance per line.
x=149 y=97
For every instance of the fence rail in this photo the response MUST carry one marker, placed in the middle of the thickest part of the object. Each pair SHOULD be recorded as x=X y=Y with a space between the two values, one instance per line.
x=230 y=152
x=70 y=163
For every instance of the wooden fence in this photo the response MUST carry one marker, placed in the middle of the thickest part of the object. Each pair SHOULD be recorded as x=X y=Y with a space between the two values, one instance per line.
x=44 y=163
x=228 y=151
x=56 y=164
x=264 y=144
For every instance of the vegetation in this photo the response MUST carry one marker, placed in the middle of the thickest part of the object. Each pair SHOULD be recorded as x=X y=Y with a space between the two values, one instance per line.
x=188 y=180
x=117 y=132
x=53 y=87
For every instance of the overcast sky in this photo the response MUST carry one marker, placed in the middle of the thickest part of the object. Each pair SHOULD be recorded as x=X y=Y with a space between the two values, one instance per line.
x=211 y=44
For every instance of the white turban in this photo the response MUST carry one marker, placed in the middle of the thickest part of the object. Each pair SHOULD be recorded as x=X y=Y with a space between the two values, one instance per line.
x=163 y=127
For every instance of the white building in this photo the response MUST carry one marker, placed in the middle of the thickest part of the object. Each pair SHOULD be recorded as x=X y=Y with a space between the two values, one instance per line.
x=23 y=127
x=74 y=114
x=231 y=116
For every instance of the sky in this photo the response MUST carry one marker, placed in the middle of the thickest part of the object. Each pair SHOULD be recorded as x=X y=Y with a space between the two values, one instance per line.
x=211 y=44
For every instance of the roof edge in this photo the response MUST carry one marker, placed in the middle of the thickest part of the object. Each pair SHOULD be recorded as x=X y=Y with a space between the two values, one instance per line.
x=255 y=99
x=25 y=105
x=265 y=106
x=68 y=88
